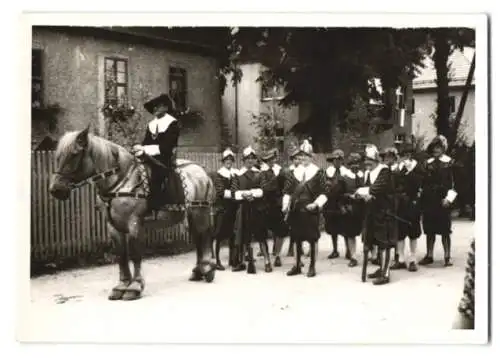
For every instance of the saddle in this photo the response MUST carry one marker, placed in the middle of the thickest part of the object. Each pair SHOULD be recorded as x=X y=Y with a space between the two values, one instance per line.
x=167 y=193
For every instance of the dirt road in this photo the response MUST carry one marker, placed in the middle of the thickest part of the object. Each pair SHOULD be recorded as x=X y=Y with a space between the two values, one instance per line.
x=237 y=307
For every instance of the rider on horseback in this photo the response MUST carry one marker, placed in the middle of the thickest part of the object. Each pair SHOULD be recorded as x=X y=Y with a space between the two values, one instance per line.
x=160 y=142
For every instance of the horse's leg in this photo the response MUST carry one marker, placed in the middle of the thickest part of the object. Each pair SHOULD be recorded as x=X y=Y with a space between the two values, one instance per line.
x=202 y=234
x=122 y=252
x=136 y=287
x=196 y=272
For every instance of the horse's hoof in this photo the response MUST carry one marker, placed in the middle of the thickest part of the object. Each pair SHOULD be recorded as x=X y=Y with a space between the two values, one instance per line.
x=251 y=269
x=133 y=291
x=381 y=280
x=220 y=267
x=209 y=277
x=268 y=268
x=277 y=262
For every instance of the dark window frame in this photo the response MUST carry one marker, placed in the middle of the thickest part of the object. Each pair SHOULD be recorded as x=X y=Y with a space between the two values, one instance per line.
x=178 y=74
x=115 y=82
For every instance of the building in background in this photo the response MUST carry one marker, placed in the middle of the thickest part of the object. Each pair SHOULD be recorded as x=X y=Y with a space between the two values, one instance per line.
x=70 y=65
x=425 y=97
x=248 y=101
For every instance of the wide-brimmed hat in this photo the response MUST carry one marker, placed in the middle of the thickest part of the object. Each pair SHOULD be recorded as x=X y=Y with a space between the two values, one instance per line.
x=337 y=154
x=249 y=152
x=228 y=154
x=162 y=100
x=293 y=151
x=270 y=154
x=439 y=140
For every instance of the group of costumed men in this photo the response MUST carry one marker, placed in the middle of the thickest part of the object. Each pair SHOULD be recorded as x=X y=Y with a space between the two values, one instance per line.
x=384 y=197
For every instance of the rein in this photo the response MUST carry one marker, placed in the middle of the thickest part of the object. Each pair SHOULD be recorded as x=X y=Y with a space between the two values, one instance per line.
x=96 y=178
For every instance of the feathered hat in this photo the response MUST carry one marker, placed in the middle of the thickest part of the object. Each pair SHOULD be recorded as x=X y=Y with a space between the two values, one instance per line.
x=249 y=151
x=306 y=147
x=439 y=140
x=228 y=154
x=371 y=152
x=161 y=100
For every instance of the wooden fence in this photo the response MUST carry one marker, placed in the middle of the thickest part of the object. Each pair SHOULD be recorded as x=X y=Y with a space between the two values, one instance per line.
x=76 y=228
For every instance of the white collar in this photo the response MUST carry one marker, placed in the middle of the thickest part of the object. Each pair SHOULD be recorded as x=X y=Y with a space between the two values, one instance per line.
x=161 y=123
x=292 y=167
x=330 y=172
x=244 y=170
x=412 y=163
x=309 y=171
x=227 y=173
x=394 y=167
x=443 y=158
x=375 y=172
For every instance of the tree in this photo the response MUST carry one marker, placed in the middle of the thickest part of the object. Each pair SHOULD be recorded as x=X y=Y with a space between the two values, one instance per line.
x=444 y=41
x=329 y=67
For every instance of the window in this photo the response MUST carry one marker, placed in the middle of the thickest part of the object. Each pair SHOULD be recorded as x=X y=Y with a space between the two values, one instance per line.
x=452 y=104
x=36 y=78
x=116 y=81
x=270 y=92
x=401 y=98
x=178 y=87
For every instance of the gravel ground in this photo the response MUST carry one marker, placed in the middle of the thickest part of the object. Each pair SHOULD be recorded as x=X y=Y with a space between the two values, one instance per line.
x=335 y=305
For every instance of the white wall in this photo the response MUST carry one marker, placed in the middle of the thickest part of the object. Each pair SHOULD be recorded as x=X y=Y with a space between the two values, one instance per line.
x=425 y=105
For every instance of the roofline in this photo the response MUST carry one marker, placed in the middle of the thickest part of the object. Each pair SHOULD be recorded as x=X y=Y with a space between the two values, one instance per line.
x=123 y=33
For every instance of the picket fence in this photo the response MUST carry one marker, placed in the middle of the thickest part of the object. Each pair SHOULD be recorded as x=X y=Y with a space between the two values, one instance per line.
x=76 y=228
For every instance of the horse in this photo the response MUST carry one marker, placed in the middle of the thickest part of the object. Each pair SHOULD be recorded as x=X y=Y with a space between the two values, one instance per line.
x=122 y=182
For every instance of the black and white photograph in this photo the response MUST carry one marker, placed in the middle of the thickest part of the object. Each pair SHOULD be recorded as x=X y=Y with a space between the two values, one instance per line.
x=255 y=180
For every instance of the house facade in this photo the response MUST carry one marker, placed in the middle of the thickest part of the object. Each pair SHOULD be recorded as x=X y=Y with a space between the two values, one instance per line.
x=246 y=101
x=425 y=95
x=71 y=67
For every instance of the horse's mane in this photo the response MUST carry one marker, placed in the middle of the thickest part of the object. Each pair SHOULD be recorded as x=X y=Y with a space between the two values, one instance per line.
x=102 y=150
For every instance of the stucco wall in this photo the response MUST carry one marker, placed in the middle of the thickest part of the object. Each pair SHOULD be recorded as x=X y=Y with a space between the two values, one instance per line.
x=425 y=105
x=73 y=74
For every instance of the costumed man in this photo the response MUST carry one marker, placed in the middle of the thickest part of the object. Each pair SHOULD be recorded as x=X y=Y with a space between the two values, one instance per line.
x=378 y=193
x=295 y=159
x=159 y=144
x=248 y=191
x=354 y=207
x=304 y=197
x=410 y=179
x=225 y=206
x=273 y=194
x=335 y=209
x=438 y=194
x=390 y=157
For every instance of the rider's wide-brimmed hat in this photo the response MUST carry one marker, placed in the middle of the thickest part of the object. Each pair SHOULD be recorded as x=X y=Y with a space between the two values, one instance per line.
x=228 y=154
x=162 y=100
x=337 y=154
